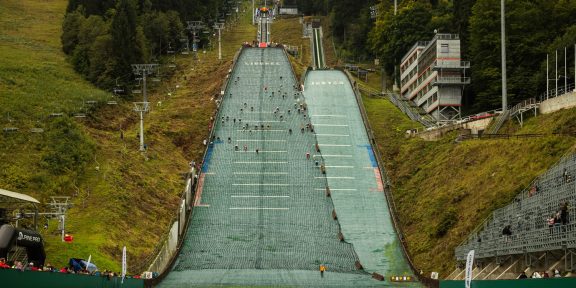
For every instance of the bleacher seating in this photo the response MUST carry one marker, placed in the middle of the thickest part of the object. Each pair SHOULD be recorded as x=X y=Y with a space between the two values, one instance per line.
x=527 y=217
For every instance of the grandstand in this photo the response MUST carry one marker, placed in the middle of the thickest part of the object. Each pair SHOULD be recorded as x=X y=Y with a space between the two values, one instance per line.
x=532 y=242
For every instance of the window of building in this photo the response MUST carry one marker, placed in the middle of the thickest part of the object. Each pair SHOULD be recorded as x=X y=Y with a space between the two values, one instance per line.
x=444 y=48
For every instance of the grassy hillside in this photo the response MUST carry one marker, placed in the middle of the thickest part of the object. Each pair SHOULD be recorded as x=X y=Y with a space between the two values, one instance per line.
x=444 y=189
x=121 y=196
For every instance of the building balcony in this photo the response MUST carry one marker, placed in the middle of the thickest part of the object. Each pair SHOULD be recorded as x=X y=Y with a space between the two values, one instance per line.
x=451 y=81
x=456 y=65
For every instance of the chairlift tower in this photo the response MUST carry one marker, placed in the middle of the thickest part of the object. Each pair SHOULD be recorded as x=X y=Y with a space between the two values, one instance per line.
x=195 y=27
x=58 y=208
x=219 y=26
x=142 y=107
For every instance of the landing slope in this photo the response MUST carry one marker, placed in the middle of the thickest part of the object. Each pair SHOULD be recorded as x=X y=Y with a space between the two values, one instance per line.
x=262 y=217
x=352 y=172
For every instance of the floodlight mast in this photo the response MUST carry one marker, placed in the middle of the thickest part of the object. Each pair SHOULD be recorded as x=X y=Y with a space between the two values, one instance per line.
x=503 y=48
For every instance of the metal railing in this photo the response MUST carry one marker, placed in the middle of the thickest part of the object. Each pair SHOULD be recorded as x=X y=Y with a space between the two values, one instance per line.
x=451 y=64
x=405 y=107
x=512 y=136
x=451 y=80
x=499 y=122
x=552 y=93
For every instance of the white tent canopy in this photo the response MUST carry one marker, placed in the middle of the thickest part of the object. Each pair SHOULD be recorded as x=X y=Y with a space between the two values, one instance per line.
x=16 y=196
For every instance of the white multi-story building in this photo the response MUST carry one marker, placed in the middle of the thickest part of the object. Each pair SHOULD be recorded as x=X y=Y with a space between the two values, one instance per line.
x=433 y=76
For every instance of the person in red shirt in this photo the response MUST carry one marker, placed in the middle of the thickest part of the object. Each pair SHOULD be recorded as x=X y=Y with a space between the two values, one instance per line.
x=3 y=264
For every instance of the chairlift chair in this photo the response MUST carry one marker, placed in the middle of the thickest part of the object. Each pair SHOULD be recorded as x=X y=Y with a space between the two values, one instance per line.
x=10 y=129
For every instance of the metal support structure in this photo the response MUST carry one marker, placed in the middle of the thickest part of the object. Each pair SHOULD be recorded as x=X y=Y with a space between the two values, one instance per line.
x=142 y=107
x=219 y=26
x=503 y=29
x=195 y=26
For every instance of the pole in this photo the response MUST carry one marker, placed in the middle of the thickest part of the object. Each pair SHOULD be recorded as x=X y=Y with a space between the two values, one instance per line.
x=556 y=76
x=565 y=71
x=253 y=11
x=142 y=131
x=63 y=217
x=574 y=67
x=395 y=7
x=503 y=29
x=383 y=79
x=144 y=85
x=547 y=79
x=219 y=44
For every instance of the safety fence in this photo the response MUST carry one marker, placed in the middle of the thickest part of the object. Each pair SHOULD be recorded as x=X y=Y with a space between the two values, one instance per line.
x=167 y=249
x=512 y=136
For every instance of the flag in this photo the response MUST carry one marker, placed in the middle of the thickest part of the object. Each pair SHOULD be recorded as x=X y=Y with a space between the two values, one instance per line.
x=88 y=263
x=123 y=264
x=469 y=264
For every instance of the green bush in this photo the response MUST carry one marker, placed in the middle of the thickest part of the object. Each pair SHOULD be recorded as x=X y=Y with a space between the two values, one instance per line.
x=449 y=218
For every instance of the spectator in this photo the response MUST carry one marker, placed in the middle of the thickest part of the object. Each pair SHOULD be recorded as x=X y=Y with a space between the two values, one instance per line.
x=522 y=275
x=565 y=175
x=18 y=265
x=564 y=213
x=557 y=274
x=545 y=274
x=536 y=275
x=551 y=222
x=507 y=232
x=3 y=264
x=533 y=190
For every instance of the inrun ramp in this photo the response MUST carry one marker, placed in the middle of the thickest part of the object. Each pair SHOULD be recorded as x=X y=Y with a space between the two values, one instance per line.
x=262 y=218
x=352 y=173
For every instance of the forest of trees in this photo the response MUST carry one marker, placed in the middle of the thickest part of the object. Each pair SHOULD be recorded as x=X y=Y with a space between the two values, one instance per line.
x=102 y=38
x=534 y=28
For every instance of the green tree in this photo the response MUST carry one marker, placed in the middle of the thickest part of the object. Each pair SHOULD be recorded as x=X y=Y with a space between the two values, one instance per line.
x=127 y=43
x=392 y=36
x=71 y=29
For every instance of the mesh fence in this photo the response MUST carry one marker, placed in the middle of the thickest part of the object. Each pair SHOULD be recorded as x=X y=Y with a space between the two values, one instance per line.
x=262 y=203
